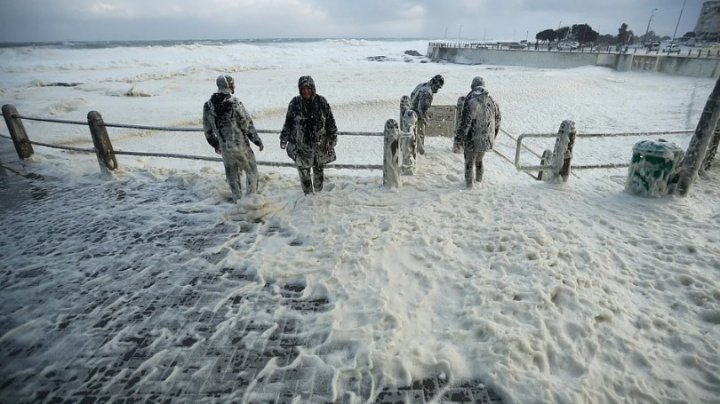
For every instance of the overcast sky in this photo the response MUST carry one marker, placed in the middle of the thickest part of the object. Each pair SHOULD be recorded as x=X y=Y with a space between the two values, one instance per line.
x=77 y=20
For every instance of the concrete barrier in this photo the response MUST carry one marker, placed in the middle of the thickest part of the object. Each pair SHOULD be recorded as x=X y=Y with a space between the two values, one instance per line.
x=689 y=65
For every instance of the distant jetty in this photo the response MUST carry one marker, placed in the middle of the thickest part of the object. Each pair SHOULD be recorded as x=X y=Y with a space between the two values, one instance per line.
x=693 y=63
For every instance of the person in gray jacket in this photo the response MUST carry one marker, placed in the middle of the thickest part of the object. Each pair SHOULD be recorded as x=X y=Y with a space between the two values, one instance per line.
x=229 y=129
x=309 y=135
x=479 y=125
x=420 y=101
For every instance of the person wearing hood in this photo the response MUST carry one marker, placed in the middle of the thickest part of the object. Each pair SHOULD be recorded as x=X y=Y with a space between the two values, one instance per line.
x=420 y=101
x=229 y=130
x=309 y=135
x=479 y=125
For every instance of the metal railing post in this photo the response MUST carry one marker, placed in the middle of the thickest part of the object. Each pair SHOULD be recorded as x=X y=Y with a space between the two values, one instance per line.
x=101 y=141
x=17 y=131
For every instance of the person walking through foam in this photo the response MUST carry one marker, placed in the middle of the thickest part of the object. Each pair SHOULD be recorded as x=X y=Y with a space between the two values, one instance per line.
x=479 y=125
x=420 y=101
x=229 y=129
x=309 y=135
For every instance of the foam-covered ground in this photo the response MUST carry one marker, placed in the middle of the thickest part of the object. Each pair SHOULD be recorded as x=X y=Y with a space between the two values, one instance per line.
x=150 y=284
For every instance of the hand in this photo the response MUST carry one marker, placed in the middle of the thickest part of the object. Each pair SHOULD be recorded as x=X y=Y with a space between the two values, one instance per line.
x=457 y=148
x=217 y=150
x=261 y=147
x=332 y=143
x=283 y=144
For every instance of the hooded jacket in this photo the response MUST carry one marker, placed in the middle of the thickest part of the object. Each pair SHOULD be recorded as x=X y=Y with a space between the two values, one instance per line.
x=479 y=120
x=422 y=96
x=227 y=124
x=309 y=128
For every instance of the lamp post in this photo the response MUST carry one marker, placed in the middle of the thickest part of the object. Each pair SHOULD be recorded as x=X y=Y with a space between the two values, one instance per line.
x=678 y=22
x=647 y=30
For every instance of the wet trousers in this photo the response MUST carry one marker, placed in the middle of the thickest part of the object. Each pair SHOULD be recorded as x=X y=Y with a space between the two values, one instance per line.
x=312 y=182
x=420 y=128
x=236 y=162
x=473 y=162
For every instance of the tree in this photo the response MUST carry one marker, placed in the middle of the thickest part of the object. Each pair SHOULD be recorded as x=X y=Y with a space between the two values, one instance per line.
x=649 y=38
x=561 y=33
x=546 y=35
x=624 y=36
x=583 y=33
x=606 y=39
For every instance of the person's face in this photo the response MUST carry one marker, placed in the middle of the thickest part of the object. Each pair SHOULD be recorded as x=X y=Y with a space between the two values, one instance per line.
x=306 y=92
x=232 y=87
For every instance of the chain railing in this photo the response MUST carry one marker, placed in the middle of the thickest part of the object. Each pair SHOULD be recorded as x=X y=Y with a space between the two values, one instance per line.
x=14 y=119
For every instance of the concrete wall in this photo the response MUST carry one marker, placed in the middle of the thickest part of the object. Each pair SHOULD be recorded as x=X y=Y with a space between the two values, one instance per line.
x=675 y=64
x=470 y=56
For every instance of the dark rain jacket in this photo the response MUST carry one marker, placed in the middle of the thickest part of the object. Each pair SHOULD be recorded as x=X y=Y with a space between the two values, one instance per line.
x=309 y=129
x=479 y=121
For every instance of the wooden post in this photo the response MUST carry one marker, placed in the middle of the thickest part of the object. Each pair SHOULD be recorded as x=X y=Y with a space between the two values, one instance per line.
x=458 y=148
x=700 y=141
x=560 y=158
x=23 y=147
x=568 y=129
x=711 y=151
x=101 y=141
x=391 y=160
x=404 y=106
x=408 y=142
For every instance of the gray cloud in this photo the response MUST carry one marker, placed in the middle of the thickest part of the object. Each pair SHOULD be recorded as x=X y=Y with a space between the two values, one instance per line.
x=47 y=20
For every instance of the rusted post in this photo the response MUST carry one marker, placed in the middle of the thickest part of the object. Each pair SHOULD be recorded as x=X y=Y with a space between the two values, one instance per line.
x=391 y=158
x=700 y=141
x=101 y=141
x=23 y=147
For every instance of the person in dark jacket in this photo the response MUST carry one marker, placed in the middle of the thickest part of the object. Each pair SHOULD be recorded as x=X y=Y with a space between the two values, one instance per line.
x=479 y=125
x=309 y=135
x=420 y=101
x=229 y=130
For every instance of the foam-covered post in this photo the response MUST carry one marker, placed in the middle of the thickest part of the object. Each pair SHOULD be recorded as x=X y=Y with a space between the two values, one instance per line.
x=404 y=106
x=567 y=128
x=391 y=160
x=544 y=160
x=695 y=154
x=458 y=114
x=711 y=151
x=101 y=141
x=408 y=142
x=561 y=154
x=23 y=147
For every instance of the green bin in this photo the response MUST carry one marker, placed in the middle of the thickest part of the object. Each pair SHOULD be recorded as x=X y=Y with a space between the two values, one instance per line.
x=654 y=165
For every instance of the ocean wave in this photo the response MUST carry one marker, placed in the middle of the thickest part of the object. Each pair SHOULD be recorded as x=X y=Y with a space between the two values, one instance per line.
x=137 y=92
x=349 y=42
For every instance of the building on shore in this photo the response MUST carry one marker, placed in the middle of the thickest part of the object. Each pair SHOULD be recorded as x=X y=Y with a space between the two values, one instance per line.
x=708 y=23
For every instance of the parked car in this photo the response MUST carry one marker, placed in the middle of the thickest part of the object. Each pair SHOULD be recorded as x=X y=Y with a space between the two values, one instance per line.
x=654 y=46
x=673 y=48
x=567 y=45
